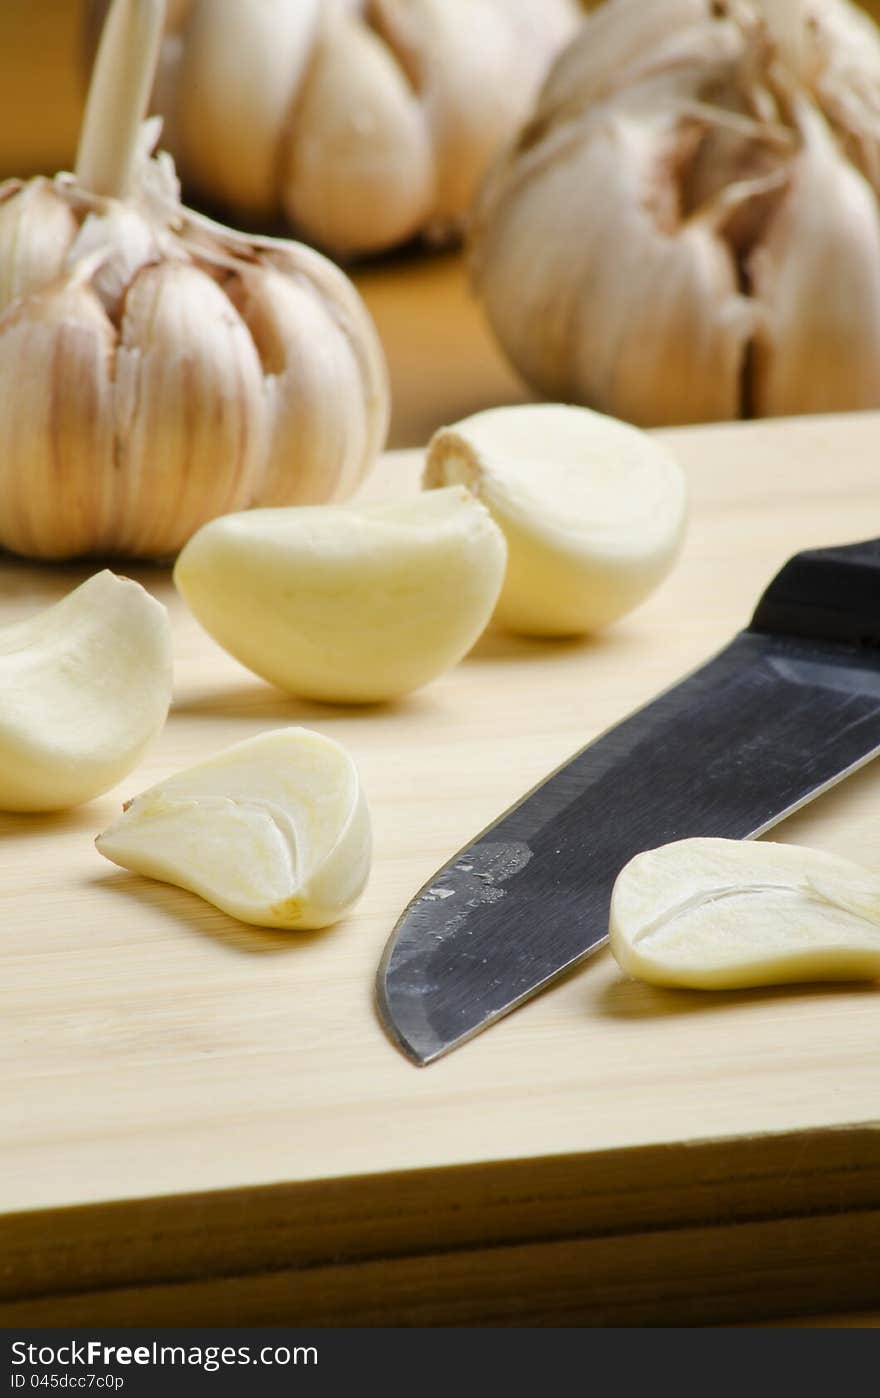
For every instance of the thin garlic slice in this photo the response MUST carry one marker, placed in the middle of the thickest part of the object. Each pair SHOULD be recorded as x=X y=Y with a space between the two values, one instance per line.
x=723 y=914
x=274 y=831
x=356 y=604
x=84 y=688
x=593 y=510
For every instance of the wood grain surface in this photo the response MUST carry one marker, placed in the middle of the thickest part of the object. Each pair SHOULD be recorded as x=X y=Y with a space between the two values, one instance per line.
x=204 y=1121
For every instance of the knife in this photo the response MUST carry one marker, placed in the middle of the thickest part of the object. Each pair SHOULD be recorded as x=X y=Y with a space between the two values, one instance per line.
x=789 y=708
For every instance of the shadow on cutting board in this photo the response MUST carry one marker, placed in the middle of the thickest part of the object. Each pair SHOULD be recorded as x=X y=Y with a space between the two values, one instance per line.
x=30 y=825
x=626 y=999
x=263 y=701
x=178 y=908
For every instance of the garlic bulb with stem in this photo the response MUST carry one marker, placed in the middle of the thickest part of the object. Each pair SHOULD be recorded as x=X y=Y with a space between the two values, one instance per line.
x=157 y=369
x=365 y=122
x=689 y=229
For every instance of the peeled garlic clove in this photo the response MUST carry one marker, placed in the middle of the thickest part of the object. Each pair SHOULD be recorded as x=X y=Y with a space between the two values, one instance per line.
x=36 y=231
x=593 y=510
x=359 y=141
x=274 y=831
x=724 y=914
x=347 y=604
x=84 y=688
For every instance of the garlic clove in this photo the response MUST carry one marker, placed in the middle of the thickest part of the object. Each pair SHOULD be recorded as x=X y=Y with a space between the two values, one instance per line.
x=629 y=40
x=727 y=914
x=359 y=141
x=119 y=241
x=593 y=510
x=56 y=444
x=353 y=605
x=477 y=67
x=36 y=231
x=604 y=296
x=240 y=69
x=816 y=277
x=348 y=311
x=84 y=688
x=316 y=452
x=189 y=409
x=274 y=831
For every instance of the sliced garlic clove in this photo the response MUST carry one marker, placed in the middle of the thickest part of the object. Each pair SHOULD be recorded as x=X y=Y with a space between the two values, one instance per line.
x=356 y=604
x=593 y=510
x=816 y=278
x=726 y=914
x=241 y=68
x=189 y=409
x=84 y=688
x=274 y=831
x=359 y=141
x=56 y=423
x=36 y=231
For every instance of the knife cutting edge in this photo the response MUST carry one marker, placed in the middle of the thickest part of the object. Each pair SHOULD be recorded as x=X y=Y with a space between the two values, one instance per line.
x=788 y=709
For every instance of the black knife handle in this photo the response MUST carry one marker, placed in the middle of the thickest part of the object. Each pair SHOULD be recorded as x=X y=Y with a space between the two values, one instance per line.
x=828 y=594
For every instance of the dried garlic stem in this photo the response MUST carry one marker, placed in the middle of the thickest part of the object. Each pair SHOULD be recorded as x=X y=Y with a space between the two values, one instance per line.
x=119 y=95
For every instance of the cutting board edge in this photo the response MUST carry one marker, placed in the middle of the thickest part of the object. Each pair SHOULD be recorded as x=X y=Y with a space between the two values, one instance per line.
x=382 y=1219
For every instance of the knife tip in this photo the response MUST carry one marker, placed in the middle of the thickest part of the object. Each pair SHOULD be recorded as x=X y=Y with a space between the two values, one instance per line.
x=417 y=1052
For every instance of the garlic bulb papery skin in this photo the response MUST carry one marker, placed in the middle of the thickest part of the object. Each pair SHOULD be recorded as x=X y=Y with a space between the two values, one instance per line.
x=688 y=229
x=728 y=914
x=593 y=510
x=156 y=368
x=348 y=604
x=85 y=687
x=365 y=122
x=275 y=831
x=169 y=372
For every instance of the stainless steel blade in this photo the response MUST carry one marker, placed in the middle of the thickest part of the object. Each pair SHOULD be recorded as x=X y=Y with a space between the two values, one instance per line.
x=757 y=732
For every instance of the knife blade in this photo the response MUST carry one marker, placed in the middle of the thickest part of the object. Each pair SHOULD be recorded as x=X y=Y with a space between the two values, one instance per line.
x=788 y=709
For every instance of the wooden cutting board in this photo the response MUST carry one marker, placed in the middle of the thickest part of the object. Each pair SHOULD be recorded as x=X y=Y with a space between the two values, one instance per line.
x=205 y=1122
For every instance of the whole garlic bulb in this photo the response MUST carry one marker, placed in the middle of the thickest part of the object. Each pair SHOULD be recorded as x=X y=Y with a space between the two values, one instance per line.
x=688 y=229
x=156 y=369
x=364 y=121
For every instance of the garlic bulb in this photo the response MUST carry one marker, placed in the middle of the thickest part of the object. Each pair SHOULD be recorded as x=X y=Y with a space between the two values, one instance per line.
x=156 y=369
x=364 y=121
x=688 y=229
